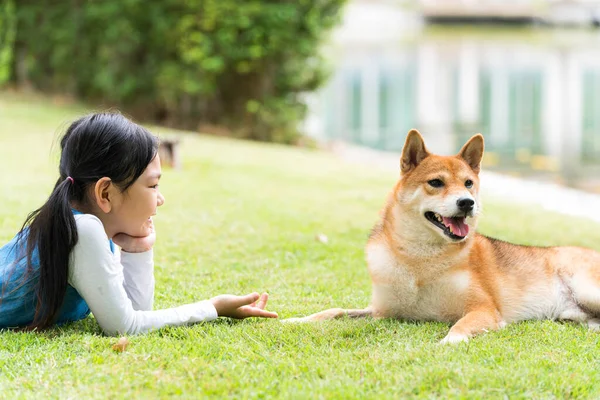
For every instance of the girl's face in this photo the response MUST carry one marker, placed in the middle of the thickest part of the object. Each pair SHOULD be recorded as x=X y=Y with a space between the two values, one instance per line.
x=132 y=211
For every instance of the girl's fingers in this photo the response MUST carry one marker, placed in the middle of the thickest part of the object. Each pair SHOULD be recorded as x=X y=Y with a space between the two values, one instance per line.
x=262 y=302
x=246 y=300
x=249 y=311
x=257 y=312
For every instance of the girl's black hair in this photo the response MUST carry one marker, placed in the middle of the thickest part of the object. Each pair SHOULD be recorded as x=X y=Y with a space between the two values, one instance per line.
x=93 y=147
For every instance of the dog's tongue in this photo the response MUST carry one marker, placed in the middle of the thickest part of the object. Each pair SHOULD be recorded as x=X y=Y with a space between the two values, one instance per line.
x=459 y=228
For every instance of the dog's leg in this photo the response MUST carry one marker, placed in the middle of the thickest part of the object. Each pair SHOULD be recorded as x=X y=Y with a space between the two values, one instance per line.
x=333 y=313
x=594 y=324
x=585 y=287
x=579 y=271
x=474 y=322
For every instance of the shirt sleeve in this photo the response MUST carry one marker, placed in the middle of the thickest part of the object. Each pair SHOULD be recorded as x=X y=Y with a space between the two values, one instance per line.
x=138 y=274
x=98 y=276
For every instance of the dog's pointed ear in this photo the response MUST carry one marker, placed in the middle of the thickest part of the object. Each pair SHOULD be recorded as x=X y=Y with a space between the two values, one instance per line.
x=472 y=152
x=413 y=152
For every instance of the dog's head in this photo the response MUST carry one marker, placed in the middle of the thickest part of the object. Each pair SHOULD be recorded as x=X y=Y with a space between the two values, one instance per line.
x=439 y=195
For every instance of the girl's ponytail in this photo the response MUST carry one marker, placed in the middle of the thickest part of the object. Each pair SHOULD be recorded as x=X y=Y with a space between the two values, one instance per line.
x=52 y=234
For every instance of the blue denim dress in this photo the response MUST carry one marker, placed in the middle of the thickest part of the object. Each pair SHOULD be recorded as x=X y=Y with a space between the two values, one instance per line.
x=17 y=288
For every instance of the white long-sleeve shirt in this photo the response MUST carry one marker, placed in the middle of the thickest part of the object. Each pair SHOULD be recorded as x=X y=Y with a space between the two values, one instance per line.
x=120 y=293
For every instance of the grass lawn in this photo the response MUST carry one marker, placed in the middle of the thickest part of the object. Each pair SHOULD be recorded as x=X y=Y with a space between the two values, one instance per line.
x=241 y=217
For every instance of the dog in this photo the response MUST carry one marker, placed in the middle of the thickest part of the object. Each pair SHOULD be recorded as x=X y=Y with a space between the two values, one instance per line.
x=427 y=263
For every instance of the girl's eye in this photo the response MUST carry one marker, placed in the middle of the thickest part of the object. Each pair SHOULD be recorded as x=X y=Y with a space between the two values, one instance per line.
x=154 y=187
x=436 y=183
x=468 y=184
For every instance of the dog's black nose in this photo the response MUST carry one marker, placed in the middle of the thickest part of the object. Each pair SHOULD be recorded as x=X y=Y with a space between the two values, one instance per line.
x=465 y=204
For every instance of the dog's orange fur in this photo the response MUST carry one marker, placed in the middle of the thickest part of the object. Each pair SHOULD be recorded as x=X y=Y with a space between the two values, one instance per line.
x=477 y=283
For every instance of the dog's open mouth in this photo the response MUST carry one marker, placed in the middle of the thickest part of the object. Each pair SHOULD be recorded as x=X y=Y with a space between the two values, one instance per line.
x=453 y=227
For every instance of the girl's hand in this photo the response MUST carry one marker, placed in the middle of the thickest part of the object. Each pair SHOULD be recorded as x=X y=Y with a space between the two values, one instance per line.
x=135 y=244
x=250 y=305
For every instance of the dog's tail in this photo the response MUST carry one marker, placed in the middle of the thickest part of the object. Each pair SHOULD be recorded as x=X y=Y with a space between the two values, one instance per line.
x=333 y=313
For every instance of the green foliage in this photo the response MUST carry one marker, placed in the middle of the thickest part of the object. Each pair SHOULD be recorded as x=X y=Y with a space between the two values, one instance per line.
x=239 y=63
x=7 y=37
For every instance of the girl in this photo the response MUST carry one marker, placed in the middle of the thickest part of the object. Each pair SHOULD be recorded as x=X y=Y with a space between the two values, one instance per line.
x=61 y=265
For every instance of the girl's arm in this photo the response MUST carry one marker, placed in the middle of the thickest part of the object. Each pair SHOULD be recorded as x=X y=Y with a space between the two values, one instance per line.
x=138 y=271
x=99 y=278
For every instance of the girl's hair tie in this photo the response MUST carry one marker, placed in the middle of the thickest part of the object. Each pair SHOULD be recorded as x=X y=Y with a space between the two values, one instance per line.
x=71 y=180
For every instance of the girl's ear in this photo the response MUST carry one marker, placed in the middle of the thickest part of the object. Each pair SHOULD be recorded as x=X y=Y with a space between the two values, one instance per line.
x=103 y=194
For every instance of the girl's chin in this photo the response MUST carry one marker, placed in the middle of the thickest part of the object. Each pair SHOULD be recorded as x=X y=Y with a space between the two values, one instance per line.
x=138 y=233
x=142 y=231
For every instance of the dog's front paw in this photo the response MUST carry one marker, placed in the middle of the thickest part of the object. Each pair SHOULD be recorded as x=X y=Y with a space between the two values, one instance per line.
x=454 y=338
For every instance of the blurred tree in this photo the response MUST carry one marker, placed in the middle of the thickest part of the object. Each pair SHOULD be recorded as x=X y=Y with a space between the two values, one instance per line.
x=7 y=37
x=241 y=64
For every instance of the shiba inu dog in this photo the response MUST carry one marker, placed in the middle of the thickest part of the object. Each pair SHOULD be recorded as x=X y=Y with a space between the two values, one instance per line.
x=427 y=263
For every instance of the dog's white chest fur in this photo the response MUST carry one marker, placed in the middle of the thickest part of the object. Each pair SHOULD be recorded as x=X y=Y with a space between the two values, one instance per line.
x=398 y=293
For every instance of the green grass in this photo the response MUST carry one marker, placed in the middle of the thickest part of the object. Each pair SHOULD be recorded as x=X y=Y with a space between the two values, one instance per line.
x=241 y=217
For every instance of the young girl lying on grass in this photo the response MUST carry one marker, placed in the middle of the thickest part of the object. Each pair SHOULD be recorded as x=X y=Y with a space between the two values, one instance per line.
x=62 y=264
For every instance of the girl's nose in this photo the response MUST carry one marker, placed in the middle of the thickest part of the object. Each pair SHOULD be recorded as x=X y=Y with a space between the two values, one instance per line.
x=160 y=200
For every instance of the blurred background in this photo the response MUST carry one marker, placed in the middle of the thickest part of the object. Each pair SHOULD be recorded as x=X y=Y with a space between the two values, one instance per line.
x=525 y=73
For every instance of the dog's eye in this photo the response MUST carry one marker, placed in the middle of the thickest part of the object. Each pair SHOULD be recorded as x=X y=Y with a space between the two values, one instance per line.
x=436 y=183
x=468 y=184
